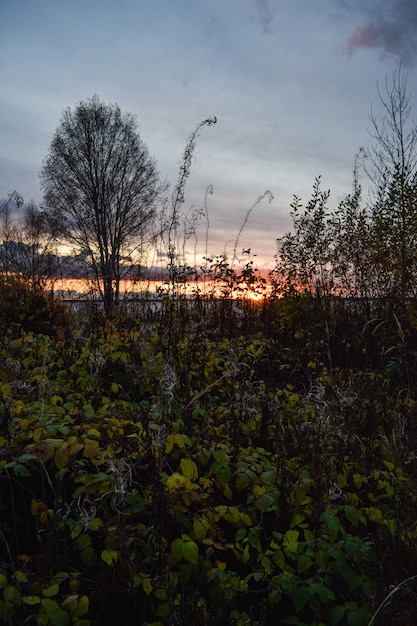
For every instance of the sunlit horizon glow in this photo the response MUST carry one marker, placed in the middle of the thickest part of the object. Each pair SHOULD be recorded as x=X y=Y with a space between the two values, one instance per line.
x=80 y=288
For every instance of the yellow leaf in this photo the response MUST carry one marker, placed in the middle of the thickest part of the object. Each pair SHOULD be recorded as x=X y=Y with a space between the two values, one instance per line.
x=147 y=586
x=227 y=492
x=189 y=468
x=95 y=523
x=37 y=434
x=172 y=440
x=17 y=407
x=61 y=457
x=201 y=528
x=259 y=490
x=245 y=554
x=245 y=519
x=232 y=514
x=176 y=481
x=76 y=605
x=93 y=452
x=93 y=432
x=20 y=576
x=291 y=540
x=46 y=516
x=46 y=449
x=71 y=602
x=110 y=556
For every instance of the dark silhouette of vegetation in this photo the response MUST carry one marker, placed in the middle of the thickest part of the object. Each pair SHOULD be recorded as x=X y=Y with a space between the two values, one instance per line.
x=101 y=188
x=218 y=459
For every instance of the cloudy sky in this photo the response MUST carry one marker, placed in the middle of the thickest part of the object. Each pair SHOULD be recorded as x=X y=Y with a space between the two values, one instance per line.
x=290 y=81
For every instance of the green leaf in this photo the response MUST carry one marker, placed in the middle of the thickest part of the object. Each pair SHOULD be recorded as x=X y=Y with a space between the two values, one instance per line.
x=95 y=523
x=336 y=614
x=18 y=470
x=59 y=618
x=357 y=618
x=31 y=600
x=11 y=594
x=20 y=577
x=25 y=458
x=303 y=563
x=185 y=548
x=161 y=593
x=241 y=481
x=51 y=591
x=224 y=474
x=269 y=477
x=88 y=556
x=352 y=514
x=147 y=585
x=297 y=520
x=290 y=541
x=163 y=610
x=190 y=551
x=332 y=524
x=322 y=591
x=301 y=597
x=176 y=548
x=253 y=538
x=49 y=605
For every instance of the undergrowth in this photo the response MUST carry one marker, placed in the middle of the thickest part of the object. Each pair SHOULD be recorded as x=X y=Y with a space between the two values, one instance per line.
x=213 y=462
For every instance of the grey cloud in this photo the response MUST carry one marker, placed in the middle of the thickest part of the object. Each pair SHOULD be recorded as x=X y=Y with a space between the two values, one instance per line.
x=266 y=14
x=389 y=26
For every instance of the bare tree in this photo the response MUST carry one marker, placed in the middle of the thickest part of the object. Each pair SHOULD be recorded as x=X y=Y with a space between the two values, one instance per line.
x=33 y=251
x=391 y=164
x=101 y=187
x=14 y=201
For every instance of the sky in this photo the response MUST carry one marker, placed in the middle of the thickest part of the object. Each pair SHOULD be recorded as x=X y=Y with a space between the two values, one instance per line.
x=291 y=83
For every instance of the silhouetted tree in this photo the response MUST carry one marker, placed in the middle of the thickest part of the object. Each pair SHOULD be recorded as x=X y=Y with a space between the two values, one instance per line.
x=32 y=252
x=101 y=187
x=14 y=201
x=391 y=164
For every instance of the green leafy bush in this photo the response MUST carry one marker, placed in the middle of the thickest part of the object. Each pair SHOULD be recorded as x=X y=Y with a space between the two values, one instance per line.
x=215 y=479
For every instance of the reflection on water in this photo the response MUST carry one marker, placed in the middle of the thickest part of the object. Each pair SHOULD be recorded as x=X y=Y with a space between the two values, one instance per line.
x=81 y=287
x=77 y=288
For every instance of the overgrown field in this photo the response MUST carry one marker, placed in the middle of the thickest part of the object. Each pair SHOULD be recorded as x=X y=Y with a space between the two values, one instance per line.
x=210 y=462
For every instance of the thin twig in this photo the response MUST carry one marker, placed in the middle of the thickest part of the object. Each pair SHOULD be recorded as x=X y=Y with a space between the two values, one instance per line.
x=387 y=599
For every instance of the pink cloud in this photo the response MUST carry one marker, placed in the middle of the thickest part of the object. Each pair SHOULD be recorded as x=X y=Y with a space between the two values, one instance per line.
x=391 y=27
